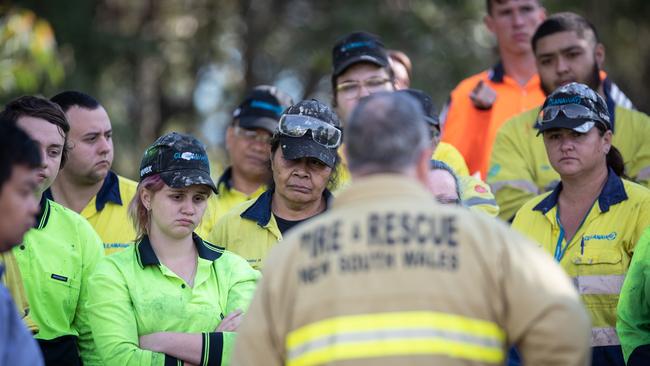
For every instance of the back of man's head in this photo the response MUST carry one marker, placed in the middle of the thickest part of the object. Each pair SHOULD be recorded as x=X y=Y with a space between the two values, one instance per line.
x=565 y=22
x=16 y=148
x=70 y=98
x=386 y=134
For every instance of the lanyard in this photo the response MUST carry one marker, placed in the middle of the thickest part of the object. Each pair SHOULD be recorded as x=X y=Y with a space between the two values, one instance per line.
x=559 y=251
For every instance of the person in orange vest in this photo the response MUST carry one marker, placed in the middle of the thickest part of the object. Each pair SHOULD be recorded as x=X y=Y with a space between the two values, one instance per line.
x=480 y=104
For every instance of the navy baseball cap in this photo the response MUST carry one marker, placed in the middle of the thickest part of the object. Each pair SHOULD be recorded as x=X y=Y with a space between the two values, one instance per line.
x=262 y=108
x=355 y=48
x=573 y=106
x=179 y=159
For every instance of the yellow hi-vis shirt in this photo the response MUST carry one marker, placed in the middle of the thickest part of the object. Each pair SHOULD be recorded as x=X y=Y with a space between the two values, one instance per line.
x=107 y=212
x=55 y=259
x=250 y=230
x=598 y=256
x=133 y=294
x=519 y=166
x=228 y=197
x=448 y=154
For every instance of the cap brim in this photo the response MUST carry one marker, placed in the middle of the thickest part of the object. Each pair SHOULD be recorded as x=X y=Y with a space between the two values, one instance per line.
x=187 y=177
x=300 y=147
x=581 y=125
x=264 y=123
x=358 y=59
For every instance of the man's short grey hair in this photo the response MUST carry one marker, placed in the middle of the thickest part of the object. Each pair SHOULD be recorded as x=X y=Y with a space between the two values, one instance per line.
x=386 y=134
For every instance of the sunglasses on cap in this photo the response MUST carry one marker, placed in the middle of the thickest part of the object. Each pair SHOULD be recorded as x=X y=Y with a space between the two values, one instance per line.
x=572 y=111
x=323 y=133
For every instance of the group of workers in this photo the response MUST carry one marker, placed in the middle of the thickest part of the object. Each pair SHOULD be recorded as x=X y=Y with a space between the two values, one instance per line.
x=370 y=232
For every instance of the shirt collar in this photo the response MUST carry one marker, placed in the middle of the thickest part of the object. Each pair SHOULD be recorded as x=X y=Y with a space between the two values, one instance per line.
x=43 y=215
x=147 y=256
x=378 y=187
x=497 y=72
x=260 y=210
x=613 y=192
x=110 y=192
x=225 y=179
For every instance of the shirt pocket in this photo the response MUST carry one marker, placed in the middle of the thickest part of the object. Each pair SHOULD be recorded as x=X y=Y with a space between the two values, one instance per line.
x=63 y=288
x=599 y=276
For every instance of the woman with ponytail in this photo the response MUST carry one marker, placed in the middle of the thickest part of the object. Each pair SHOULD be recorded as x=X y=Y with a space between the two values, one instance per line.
x=593 y=218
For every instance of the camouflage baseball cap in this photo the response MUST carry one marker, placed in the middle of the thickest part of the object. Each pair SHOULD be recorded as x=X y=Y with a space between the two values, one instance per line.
x=179 y=159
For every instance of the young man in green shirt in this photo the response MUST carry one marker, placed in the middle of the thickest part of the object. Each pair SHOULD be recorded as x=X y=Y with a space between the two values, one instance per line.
x=58 y=254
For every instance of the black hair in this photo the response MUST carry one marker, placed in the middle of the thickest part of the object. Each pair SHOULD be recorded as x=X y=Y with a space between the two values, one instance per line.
x=564 y=22
x=614 y=158
x=37 y=107
x=70 y=98
x=16 y=148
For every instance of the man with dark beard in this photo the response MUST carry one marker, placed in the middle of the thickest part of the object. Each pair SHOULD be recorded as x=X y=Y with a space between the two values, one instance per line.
x=567 y=49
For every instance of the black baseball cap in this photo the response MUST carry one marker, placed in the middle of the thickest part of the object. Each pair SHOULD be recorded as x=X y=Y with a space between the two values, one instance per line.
x=179 y=159
x=305 y=147
x=425 y=100
x=573 y=106
x=262 y=108
x=358 y=47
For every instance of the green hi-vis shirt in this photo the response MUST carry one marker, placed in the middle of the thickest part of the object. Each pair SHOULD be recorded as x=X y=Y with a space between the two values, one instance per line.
x=55 y=261
x=107 y=212
x=133 y=294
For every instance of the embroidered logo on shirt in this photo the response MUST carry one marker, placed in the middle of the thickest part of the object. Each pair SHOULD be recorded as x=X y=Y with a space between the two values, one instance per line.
x=59 y=277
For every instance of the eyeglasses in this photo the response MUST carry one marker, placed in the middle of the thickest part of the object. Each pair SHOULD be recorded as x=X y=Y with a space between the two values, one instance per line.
x=253 y=135
x=572 y=111
x=321 y=132
x=352 y=89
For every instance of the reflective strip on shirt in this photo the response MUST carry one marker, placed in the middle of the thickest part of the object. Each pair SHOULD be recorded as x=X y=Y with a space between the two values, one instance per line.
x=395 y=334
x=604 y=337
x=599 y=285
x=524 y=185
x=474 y=201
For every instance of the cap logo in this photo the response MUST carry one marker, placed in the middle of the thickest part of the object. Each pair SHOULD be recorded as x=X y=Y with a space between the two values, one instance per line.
x=190 y=156
x=353 y=45
x=558 y=101
x=145 y=170
x=267 y=106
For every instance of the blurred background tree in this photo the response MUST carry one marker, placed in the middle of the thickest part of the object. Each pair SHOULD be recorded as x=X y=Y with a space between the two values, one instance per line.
x=159 y=65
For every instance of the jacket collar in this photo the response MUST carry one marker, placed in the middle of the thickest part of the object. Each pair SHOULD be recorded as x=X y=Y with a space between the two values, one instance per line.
x=497 y=72
x=378 y=187
x=147 y=256
x=260 y=210
x=613 y=192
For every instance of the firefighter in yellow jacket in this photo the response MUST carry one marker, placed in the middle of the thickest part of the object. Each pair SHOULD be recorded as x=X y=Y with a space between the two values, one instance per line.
x=592 y=220
x=387 y=276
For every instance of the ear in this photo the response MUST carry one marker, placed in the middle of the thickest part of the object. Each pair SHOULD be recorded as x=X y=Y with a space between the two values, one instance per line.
x=145 y=198
x=422 y=166
x=607 y=141
x=599 y=55
x=489 y=23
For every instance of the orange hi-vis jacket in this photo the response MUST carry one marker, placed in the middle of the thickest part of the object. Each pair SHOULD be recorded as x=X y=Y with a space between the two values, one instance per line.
x=472 y=130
